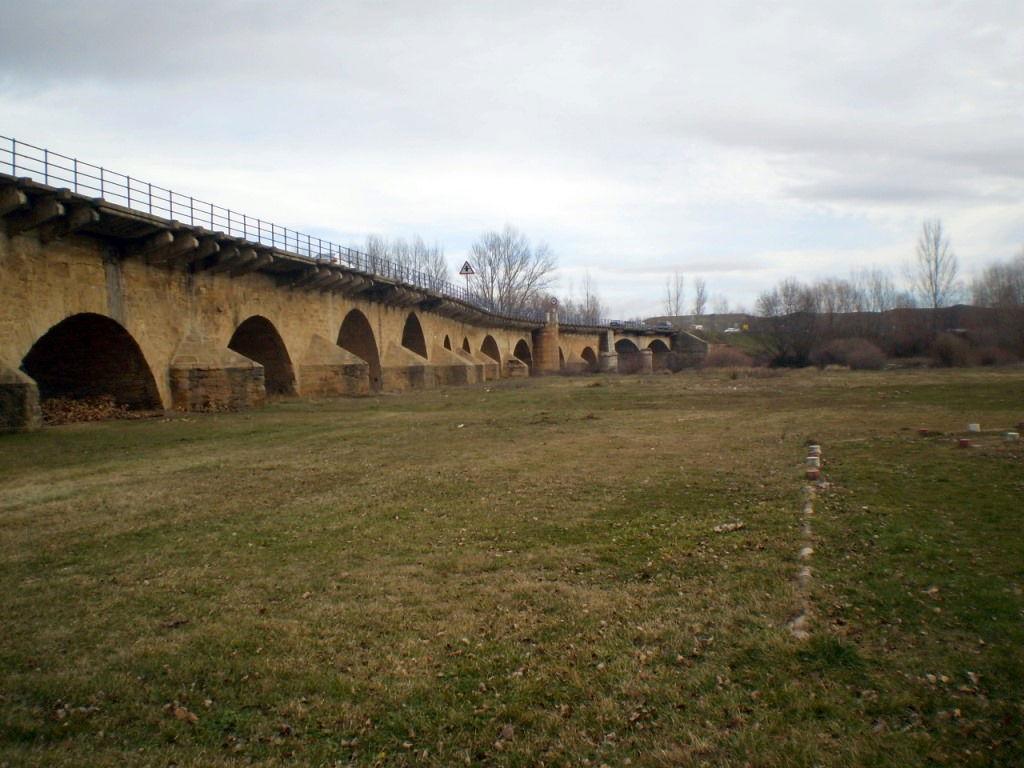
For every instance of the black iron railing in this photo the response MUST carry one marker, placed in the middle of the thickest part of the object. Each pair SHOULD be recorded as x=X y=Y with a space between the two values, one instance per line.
x=54 y=169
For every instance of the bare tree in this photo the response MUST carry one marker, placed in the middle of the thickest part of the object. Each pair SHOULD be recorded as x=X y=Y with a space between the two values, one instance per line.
x=588 y=310
x=674 y=295
x=510 y=273
x=591 y=307
x=1001 y=284
x=788 y=328
x=720 y=304
x=934 y=273
x=413 y=254
x=877 y=290
x=700 y=297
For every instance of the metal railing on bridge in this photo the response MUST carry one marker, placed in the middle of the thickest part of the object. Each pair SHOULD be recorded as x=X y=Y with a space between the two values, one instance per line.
x=54 y=169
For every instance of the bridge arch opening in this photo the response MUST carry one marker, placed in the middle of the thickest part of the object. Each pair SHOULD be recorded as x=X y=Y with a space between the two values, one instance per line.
x=465 y=345
x=357 y=337
x=561 y=359
x=258 y=339
x=591 y=358
x=490 y=348
x=89 y=355
x=659 y=354
x=412 y=336
x=447 y=342
x=522 y=351
x=629 y=356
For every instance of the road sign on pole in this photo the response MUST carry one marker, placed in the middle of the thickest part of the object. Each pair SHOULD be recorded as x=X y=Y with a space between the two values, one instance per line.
x=467 y=270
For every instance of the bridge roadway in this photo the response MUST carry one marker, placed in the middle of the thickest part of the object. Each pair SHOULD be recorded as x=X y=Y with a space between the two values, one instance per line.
x=101 y=299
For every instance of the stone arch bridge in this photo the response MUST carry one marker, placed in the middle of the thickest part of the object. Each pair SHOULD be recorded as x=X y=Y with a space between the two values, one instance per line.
x=97 y=298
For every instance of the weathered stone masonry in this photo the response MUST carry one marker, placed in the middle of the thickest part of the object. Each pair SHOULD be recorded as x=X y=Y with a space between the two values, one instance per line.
x=99 y=299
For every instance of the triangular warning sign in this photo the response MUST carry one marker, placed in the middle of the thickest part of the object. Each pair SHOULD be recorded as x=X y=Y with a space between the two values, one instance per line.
x=467 y=269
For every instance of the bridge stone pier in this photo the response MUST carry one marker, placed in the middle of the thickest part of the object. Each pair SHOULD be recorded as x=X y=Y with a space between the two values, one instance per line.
x=100 y=299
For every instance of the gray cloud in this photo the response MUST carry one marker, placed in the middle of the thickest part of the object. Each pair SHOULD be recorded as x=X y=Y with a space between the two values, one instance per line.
x=654 y=133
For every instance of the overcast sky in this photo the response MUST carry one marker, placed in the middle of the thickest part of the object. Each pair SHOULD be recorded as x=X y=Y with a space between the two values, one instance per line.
x=744 y=142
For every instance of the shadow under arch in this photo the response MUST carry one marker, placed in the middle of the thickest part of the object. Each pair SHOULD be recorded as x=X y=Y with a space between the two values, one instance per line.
x=447 y=342
x=490 y=348
x=258 y=339
x=629 y=356
x=522 y=351
x=89 y=355
x=357 y=337
x=659 y=354
x=591 y=358
x=465 y=345
x=412 y=336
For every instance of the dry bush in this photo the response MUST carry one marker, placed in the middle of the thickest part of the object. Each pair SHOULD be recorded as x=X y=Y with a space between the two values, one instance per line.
x=859 y=354
x=727 y=357
x=949 y=351
x=994 y=355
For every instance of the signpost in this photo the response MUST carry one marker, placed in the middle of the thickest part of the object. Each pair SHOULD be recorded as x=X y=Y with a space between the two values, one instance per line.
x=467 y=270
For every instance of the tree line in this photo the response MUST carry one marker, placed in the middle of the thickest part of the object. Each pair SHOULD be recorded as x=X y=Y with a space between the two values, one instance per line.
x=796 y=322
x=828 y=320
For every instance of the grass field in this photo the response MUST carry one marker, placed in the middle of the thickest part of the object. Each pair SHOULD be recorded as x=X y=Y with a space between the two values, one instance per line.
x=525 y=574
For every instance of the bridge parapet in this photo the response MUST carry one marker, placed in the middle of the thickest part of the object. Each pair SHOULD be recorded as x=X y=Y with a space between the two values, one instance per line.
x=121 y=193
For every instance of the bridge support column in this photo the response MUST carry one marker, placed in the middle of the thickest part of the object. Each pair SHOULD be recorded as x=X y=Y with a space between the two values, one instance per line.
x=646 y=361
x=19 y=402
x=608 y=358
x=327 y=370
x=609 y=363
x=206 y=377
x=545 y=347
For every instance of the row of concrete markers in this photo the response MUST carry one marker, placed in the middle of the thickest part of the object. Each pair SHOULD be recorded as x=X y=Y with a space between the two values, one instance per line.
x=799 y=625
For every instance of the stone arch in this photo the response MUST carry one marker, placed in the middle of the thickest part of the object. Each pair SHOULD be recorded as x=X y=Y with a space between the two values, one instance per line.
x=465 y=345
x=412 y=336
x=659 y=354
x=89 y=355
x=490 y=348
x=522 y=352
x=561 y=359
x=629 y=356
x=357 y=337
x=591 y=358
x=447 y=342
x=258 y=339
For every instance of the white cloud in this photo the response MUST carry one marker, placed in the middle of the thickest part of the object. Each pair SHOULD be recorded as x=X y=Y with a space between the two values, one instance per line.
x=744 y=141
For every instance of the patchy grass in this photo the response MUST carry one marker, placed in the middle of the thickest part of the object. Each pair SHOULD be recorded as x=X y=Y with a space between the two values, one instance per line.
x=523 y=574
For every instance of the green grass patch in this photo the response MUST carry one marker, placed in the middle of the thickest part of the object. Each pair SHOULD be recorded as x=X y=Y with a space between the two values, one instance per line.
x=523 y=574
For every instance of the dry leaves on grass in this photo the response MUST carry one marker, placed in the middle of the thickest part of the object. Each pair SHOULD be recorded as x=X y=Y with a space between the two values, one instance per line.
x=729 y=527
x=59 y=410
x=182 y=712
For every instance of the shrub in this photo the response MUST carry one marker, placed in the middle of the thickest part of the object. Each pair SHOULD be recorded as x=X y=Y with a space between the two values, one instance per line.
x=865 y=356
x=859 y=354
x=993 y=355
x=949 y=351
x=727 y=357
